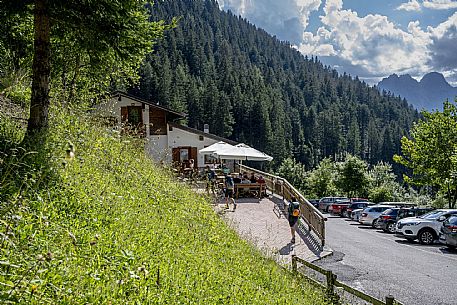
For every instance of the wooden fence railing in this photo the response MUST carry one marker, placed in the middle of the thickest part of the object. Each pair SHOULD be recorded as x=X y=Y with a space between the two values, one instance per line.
x=308 y=213
x=331 y=283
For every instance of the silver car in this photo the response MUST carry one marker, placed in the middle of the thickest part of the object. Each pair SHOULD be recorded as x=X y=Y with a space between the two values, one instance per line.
x=371 y=214
x=355 y=214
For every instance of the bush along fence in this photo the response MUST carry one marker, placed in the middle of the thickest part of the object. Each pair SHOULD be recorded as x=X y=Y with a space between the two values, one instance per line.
x=314 y=219
x=331 y=285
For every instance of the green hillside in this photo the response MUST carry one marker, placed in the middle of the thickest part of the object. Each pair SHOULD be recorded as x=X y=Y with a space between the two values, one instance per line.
x=109 y=227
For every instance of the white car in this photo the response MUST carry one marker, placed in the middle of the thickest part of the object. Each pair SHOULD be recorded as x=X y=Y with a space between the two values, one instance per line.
x=371 y=214
x=425 y=228
x=355 y=214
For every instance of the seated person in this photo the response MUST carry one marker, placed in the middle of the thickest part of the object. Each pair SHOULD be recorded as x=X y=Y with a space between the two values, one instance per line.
x=225 y=169
x=260 y=180
x=253 y=179
x=237 y=179
x=245 y=181
x=245 y=176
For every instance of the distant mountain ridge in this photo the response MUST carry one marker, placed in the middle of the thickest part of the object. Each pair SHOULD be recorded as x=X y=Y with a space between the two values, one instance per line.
x=429 y=93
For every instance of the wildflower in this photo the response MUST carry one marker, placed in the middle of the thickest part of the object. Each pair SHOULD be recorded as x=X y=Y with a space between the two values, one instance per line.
x=133 y=275
x=33 y=288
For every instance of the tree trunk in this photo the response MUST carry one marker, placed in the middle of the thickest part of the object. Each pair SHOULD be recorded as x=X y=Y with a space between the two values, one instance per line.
x=41 y=69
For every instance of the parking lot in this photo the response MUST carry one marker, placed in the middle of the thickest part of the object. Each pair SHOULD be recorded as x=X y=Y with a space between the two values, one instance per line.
x=381 y=264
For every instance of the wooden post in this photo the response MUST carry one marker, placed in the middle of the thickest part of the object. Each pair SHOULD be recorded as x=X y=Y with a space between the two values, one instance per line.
x=329 y=275
x=294 y=263
x=282 y=189
x=390 y=300
x=335 y=296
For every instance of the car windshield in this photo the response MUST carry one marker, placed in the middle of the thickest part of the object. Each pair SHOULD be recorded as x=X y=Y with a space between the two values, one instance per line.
x=432 y=215
x=390 y=212
x=452 y=220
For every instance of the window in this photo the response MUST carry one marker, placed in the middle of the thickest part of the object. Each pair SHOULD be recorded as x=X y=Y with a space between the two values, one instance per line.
x=132 y=120
x=157 y=122
x=158 y=126
x=183 y=154
x=134 y=115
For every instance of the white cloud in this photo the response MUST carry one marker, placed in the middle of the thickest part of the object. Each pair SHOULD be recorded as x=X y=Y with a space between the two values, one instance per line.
x=440 y=4
x=412 y=5
x=443 y=55
x=371 y=41
x=370 y=46
x=287 y=19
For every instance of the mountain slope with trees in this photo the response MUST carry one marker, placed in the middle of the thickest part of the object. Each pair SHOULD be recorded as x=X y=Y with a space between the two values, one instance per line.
x=251 y=87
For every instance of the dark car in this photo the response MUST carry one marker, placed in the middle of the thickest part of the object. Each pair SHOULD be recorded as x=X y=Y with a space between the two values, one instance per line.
x=448 y=234
x=314 y=202
x=355 y=206
x=389 y=218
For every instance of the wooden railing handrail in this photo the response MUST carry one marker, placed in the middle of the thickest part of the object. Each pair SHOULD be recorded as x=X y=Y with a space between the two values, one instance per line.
x=331 y=280
x=309 y=213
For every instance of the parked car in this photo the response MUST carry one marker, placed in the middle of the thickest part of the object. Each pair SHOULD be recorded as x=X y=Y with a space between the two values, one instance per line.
x=354 y=200
x=398 y=204
x=371 y=214
x=339 y=207
x=355 y=214
x=448 y=234
x=326 y=202
x=314 y=202
x=425 y=228
x=355 y=206
x=388 y=219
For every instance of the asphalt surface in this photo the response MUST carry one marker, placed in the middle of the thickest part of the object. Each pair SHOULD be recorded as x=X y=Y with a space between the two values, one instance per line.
x=381 y=264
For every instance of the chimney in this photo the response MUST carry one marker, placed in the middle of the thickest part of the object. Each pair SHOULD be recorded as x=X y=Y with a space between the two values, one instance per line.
x=206 y=128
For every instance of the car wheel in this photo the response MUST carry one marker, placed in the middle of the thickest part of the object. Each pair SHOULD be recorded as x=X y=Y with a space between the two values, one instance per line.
x=426 y=237
x=391 y=227
x=375 y=223
x=345 y=214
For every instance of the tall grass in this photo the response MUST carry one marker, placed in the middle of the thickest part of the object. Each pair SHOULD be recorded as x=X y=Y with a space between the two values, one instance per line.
x=109 y=227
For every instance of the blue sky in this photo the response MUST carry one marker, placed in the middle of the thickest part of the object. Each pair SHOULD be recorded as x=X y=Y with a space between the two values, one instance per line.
x=371 y=39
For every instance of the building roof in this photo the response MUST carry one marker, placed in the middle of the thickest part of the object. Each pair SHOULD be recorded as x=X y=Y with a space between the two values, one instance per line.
x=175 y=114
x=199 y=132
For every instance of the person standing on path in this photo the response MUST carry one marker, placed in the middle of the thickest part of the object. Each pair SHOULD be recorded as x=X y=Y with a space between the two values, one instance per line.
x=229 y=190
x=210 y=176
x=293 y=215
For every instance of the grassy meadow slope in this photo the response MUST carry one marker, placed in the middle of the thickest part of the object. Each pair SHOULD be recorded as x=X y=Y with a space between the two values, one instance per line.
x=109 y=227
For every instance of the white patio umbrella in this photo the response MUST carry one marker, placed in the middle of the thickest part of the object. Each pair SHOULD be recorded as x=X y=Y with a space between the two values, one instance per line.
x=242 y=152
x=215 y=147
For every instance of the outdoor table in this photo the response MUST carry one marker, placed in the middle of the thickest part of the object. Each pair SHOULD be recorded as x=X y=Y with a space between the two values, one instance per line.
x=256 y=187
